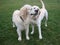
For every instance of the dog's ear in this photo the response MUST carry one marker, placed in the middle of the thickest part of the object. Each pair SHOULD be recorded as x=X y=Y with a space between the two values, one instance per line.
x=23 y=12
x=39 y=12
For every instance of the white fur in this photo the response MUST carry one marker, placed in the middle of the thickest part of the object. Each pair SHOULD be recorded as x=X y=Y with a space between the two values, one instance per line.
x=32 y=11
x=17 y=21
x=43 y=13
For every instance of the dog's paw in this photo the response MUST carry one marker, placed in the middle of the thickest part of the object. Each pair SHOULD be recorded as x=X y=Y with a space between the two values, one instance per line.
x=32 y=32
x=19 y=39
x=27 y=38
x=40 y=37
x=45 y=25
x=13 y=26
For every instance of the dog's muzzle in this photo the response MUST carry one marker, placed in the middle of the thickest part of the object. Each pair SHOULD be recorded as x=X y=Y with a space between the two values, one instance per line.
x=36 y=12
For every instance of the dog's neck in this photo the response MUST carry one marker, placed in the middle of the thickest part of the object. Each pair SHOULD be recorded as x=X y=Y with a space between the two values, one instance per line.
x=35 y=17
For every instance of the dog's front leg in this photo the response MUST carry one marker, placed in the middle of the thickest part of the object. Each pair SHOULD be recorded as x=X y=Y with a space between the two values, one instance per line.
x=19 y=34
x=27 y=32
x=39 y=29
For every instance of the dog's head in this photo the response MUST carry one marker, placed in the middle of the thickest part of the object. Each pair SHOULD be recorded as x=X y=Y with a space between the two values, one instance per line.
x=35 y=10
x=24 y=11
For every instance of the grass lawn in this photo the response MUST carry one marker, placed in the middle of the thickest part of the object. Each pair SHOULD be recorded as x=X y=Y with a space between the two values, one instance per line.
x=8 y=34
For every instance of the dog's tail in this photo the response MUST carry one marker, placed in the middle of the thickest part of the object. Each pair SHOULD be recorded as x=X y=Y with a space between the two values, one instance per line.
x=43 y=6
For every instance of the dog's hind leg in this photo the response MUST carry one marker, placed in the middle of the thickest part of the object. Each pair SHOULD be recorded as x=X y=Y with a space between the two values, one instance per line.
x=27 y=32
x=19 y=33
x=46 y=15
x=32 y=28
x=13 y=24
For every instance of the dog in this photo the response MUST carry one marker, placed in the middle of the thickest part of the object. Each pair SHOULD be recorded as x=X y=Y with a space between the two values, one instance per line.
x=39 y=17
x=21 y=20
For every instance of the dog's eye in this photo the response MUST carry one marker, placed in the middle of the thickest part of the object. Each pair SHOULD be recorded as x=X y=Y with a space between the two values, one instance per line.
x=31 y=8
x=34 y=8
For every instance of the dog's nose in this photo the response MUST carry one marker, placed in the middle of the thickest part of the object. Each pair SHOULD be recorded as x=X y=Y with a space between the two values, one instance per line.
x=36 y=10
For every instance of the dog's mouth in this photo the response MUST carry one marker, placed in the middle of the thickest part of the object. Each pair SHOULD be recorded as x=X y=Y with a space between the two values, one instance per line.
x=34 y=14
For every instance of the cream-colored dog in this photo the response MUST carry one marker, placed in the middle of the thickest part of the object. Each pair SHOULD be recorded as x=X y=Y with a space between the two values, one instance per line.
x=21 y=20
x=39 y=17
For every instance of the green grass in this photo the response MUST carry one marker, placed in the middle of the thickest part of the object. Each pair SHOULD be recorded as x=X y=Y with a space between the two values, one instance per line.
x=8 y=34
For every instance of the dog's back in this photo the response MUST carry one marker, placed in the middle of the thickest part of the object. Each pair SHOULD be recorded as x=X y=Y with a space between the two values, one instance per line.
x=44 y=12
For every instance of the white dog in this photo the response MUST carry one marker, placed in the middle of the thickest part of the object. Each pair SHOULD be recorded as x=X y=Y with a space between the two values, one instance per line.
x=38 y=18
x=21 y=20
